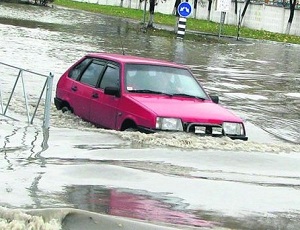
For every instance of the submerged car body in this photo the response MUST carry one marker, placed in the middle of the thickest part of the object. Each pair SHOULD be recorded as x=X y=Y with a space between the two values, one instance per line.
x=124 y=92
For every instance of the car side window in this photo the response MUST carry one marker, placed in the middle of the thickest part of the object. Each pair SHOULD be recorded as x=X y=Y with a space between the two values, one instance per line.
x=92 y=73
x=77 y=70
x=111 y=77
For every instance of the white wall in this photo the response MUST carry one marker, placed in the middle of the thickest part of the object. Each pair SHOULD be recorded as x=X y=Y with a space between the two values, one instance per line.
x=258 y=16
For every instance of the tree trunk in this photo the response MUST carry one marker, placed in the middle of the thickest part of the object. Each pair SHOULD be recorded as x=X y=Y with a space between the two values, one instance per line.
x=244 y=11
x=209 y=9
x=241 y=18
x=175 y=12
x=151 y=11
x=195 y=8
x=140 y=4
x=235 y=7
x=121 y=4
x=292 y=12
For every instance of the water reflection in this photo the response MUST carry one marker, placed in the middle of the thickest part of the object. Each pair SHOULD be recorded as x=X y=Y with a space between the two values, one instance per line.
x=22 y=142
x=159 y=207
x=134 y=204
x=84 y=175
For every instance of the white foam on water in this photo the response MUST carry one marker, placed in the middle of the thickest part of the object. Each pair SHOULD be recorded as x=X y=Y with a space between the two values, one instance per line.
x=11 y=219
x=246 y=96
x=264 y=143
x=297 y=95
x=259 y=140
x=235 y=86
x=191 y=141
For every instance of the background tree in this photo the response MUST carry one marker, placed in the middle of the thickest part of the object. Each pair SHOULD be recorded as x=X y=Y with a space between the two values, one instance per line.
x=175 y=12
x=242 y=17
x=153 y=3
x=209 y=9
x=292 y=12
x=195 y=8
x=235 y=7
x=244 y=11
x=140 y=4
x=151 y=11
x=176 y=4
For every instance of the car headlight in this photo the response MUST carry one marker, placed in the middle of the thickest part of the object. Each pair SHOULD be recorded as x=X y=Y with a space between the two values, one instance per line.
x=164 y=123
x=231 y=128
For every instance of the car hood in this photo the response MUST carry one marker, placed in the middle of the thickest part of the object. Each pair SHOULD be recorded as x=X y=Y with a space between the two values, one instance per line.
x=188 y=109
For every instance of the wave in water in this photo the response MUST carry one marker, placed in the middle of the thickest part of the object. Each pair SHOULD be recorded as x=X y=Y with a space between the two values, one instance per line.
x=67 y=218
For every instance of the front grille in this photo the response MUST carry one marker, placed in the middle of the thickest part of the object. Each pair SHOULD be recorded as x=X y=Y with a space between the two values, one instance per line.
x=204 y=129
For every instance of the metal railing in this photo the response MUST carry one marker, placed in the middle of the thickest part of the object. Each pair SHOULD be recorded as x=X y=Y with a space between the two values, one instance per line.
x=47 y=86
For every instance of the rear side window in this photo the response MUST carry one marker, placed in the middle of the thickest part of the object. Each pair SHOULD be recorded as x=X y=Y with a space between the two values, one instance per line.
x=92 y=73
x=77 y=70
x=111 y=77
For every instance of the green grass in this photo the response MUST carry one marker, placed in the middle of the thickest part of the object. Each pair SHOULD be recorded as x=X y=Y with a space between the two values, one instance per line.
x=202 y=26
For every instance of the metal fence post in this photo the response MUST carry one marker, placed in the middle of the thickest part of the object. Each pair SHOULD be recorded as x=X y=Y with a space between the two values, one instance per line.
x=46 y=121
x=1 y=101
x=47 y=86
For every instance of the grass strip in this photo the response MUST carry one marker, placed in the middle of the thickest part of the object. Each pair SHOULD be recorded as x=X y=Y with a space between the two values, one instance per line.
x=198 y=25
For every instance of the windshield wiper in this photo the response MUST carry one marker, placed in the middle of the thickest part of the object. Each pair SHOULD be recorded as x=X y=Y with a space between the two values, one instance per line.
x=168 y=94
x=149 y=91
x=188 y=95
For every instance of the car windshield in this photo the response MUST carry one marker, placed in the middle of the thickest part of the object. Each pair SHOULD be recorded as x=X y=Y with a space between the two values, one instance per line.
x=145 y=78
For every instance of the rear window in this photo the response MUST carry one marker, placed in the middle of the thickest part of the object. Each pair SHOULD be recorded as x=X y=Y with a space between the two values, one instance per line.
x=78 y=69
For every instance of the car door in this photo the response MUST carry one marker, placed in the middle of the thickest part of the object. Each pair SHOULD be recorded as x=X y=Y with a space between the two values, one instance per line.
x=75 y=89
x=84 y=88
x=104 y=107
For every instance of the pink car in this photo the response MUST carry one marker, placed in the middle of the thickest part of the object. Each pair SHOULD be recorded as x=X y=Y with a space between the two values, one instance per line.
x=124 y=92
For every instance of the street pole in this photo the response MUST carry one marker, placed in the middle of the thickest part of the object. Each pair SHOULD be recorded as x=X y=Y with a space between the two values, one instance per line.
x=222 y=20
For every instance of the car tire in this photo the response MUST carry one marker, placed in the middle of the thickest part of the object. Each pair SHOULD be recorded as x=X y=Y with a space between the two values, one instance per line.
x=66 y=109
x=131 y=129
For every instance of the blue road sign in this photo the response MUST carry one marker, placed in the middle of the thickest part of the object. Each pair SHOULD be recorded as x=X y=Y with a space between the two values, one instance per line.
x=184 y=9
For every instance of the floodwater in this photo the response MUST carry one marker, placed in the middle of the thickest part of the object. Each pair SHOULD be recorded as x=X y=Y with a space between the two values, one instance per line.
x=79 y=177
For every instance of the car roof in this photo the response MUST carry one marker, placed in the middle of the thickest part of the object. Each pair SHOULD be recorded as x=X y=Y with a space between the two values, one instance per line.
x=135 y=59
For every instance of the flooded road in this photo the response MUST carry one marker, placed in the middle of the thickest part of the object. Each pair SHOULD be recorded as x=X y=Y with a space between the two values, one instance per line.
x=174 y=179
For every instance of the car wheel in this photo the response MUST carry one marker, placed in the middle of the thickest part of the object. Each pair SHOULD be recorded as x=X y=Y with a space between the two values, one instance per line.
x=131 y=129
x=66 y=109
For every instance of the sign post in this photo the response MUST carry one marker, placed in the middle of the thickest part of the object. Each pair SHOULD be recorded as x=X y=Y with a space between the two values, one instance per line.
x=223 y=6
x=184 y=10
x=222 y=20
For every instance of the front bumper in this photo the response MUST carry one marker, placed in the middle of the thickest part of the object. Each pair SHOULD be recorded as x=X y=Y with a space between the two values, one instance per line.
x=208 y=130
x=238 y=137
x=191 y=130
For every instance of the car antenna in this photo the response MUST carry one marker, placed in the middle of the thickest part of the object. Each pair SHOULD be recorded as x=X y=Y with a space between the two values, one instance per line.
x=123 y=50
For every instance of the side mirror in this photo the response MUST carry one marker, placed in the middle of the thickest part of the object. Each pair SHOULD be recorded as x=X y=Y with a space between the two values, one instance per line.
x=215 y=99
x=114 y=91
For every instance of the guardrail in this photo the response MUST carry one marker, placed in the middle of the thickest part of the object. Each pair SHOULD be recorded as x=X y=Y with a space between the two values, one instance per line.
x=46 y=86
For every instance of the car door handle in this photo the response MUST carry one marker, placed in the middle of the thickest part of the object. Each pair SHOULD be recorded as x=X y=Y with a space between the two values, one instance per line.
x=74 y=88
x=95 y=95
